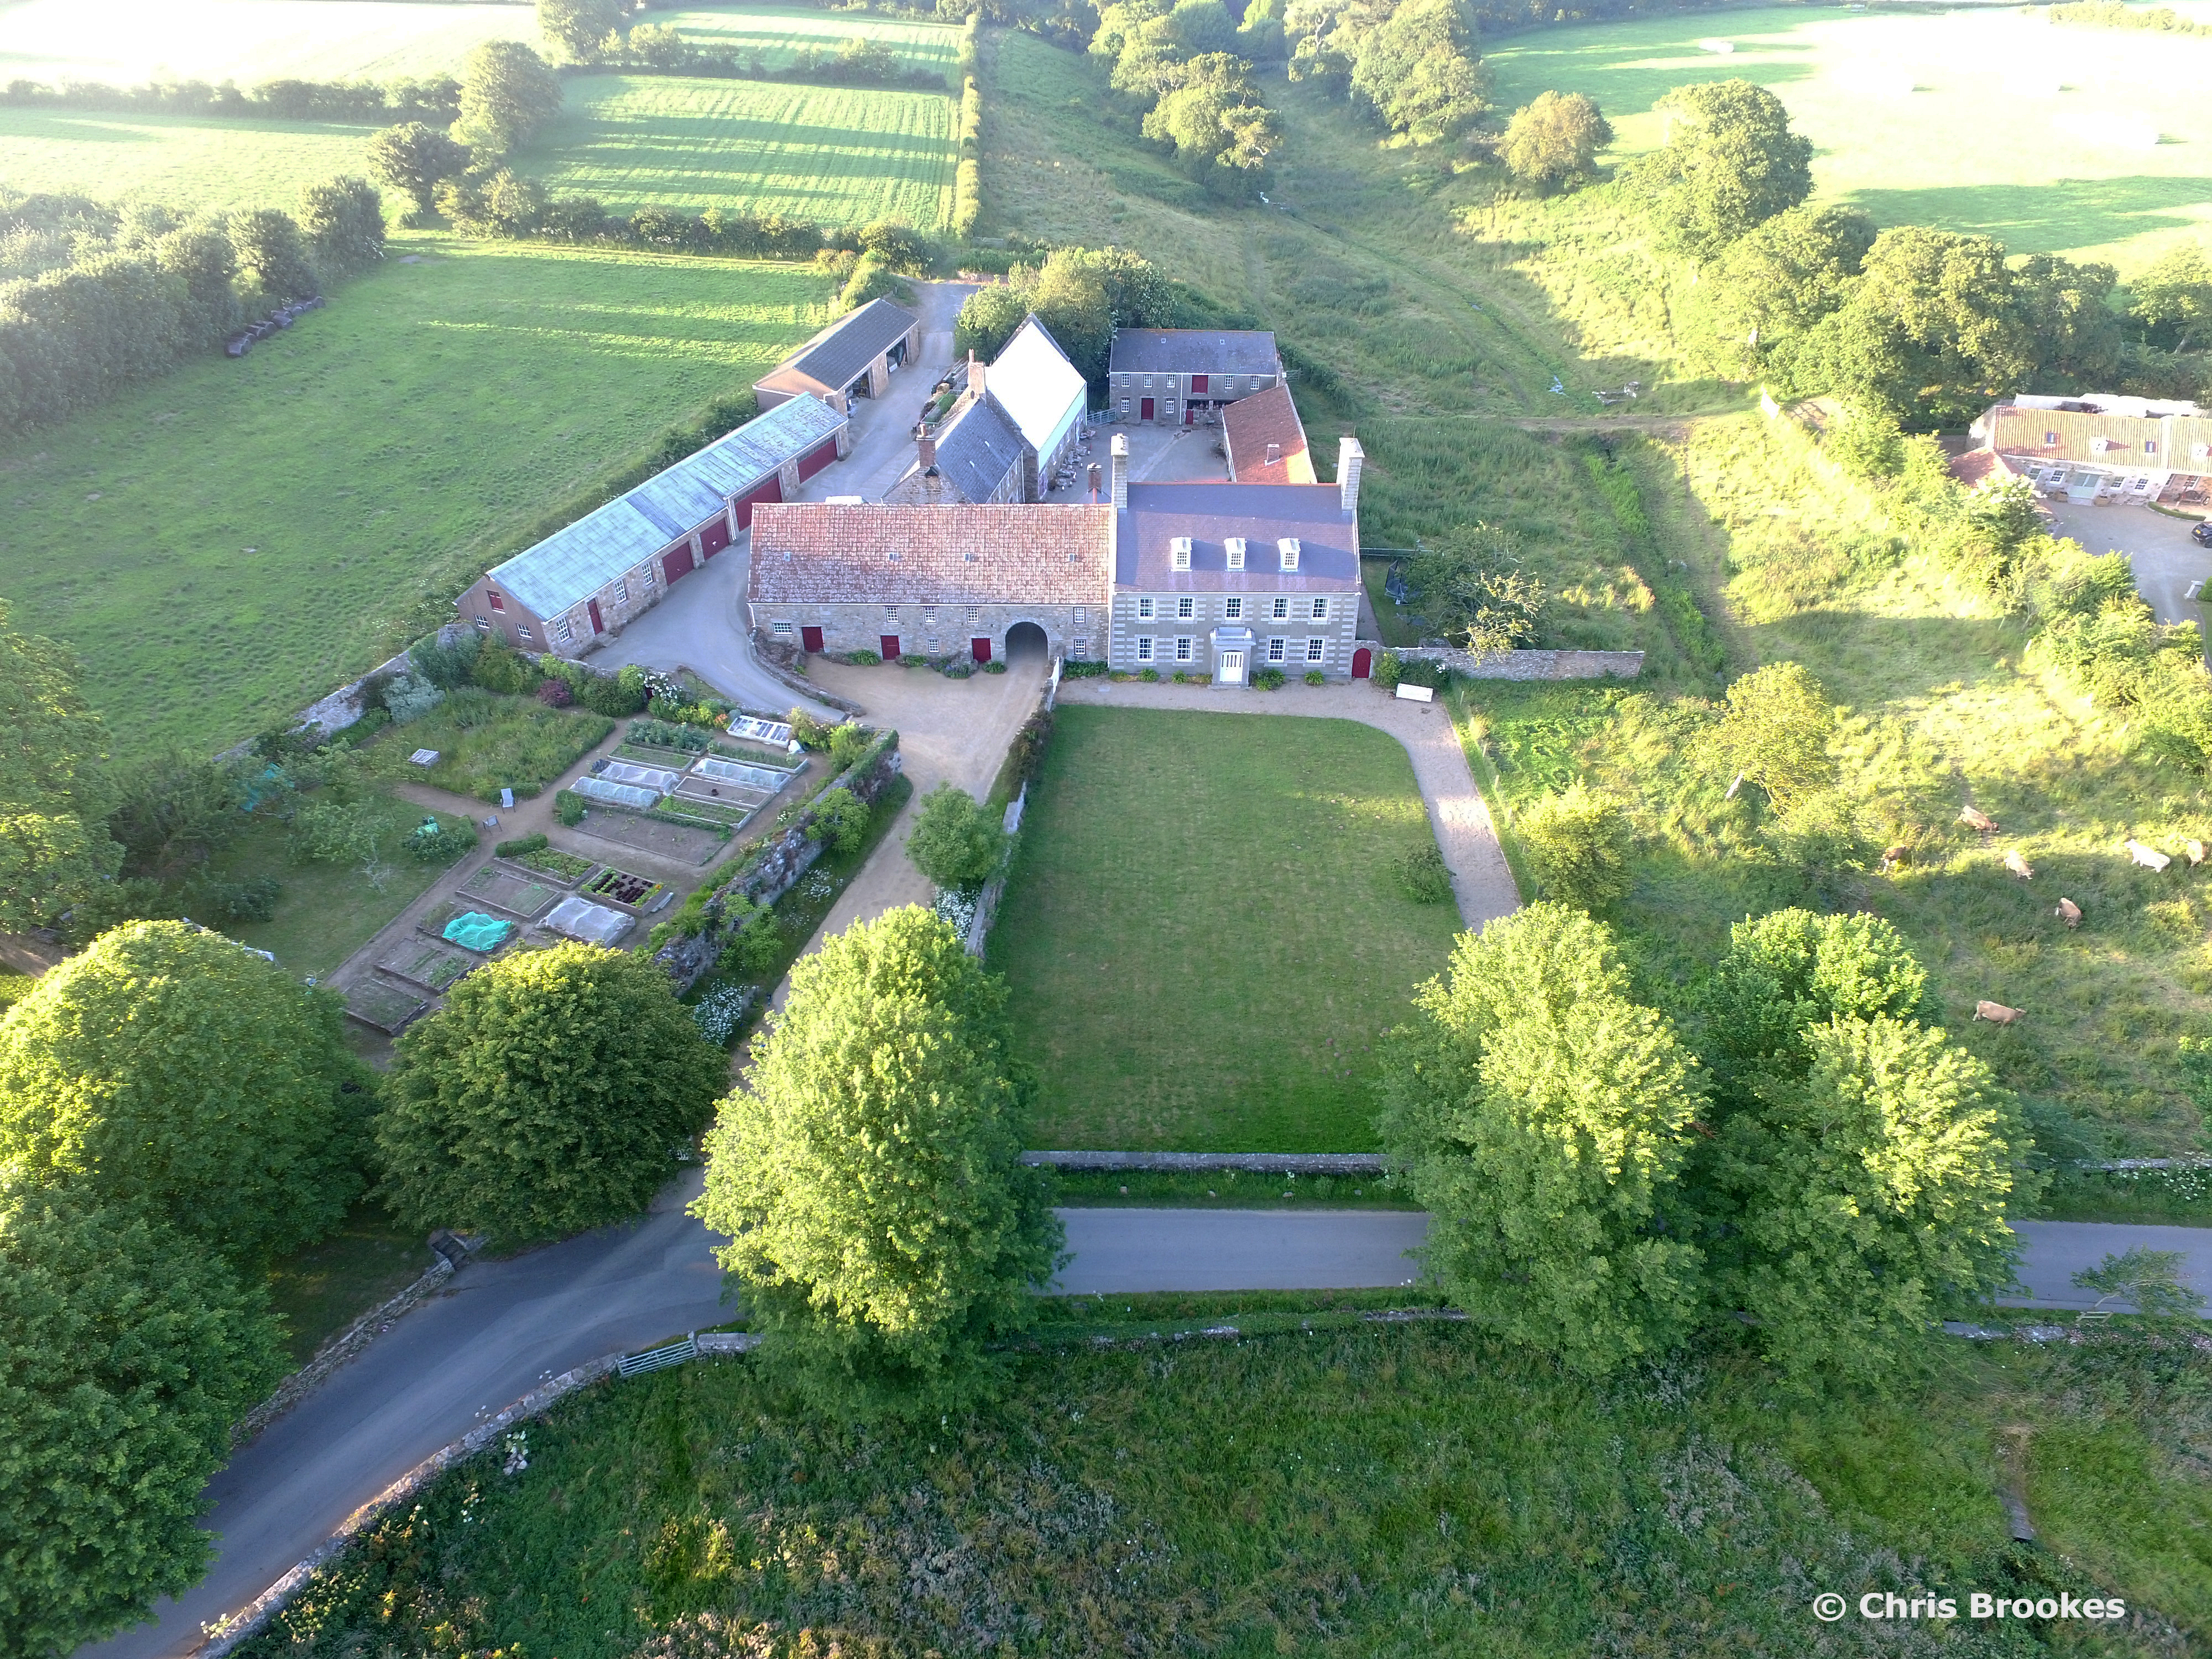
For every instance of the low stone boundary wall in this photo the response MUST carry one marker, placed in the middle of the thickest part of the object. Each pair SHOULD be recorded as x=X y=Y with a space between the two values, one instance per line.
x=782 y=661
x=1324 y=1163
x=232 y=1632
x=1524 y=665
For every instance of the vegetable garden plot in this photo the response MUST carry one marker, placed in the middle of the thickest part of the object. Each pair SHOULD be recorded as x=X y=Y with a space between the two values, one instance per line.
x=383 y=1007
x=726 y=771
x=594 y=924
x=421 y=962
x=634 y=892
x=618 y=795
x=658 y=778
x=517 y=895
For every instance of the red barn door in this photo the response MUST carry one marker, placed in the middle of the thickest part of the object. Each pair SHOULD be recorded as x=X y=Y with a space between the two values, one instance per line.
x=678 y=564
x=811 y=638
x=980 y=649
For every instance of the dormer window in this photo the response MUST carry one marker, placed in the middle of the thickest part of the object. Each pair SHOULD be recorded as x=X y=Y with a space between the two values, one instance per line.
x=1179 y=553
x=1288 y=548
x=1236 y=546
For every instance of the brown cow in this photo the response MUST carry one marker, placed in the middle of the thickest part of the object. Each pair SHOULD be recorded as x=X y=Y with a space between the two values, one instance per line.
x=2069 y=913
x=2018 y=864
x=1893 y=856
x=1974 y=820
x=1995 y=1013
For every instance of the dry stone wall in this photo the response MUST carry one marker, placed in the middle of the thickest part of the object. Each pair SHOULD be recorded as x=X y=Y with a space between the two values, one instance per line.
x=1527 y=664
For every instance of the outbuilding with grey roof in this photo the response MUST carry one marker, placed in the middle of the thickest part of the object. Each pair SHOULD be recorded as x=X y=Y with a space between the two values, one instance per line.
x=855 y=357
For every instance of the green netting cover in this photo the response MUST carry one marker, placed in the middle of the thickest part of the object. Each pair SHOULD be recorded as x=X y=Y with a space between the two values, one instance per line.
x=474 y=931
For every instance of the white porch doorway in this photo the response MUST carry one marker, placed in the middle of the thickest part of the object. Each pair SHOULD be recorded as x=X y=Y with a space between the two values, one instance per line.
x=1232 y=668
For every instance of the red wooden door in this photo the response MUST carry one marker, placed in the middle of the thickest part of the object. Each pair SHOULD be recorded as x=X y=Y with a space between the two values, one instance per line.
x=1198 y=384
x=598 y=625
x=1189 y=414
x=678 y=563
x=980 y=649
x=890 y=653
x=1144 y=407
x=770 y=490
x=713 y=536
x=809 y=637
x=1361 y=664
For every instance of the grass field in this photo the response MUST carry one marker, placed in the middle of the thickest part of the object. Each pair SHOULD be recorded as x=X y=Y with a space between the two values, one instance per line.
x=248 y=534
x=1346 y=1490
x=186 y=162
x=776 y=34
x=1203 y=933
x=838 y=156
x=1904 y=109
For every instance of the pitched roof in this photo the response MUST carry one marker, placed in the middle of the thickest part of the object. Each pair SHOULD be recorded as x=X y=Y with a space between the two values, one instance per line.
x=579 y=559
x=1039 y=387
x=1252 y=426
x=836 y=356
x=975 y=450
x=1195 y=350
x=1209 y=513
x=819 y=553
x=2179 y=442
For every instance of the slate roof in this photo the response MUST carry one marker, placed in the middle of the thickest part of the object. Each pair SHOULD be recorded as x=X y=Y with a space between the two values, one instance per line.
x=1250 y=424
x=1038 y=386
x=975 y=450
x=1193 y=350
x=834 y=358
x=1209 y=513
x=579 y=559
x=818 y=553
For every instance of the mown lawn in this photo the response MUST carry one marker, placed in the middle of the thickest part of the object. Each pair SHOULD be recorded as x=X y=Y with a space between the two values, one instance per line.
x=1203 y=932
x=243 y=537
x=836 y=155
x=1349 y=1490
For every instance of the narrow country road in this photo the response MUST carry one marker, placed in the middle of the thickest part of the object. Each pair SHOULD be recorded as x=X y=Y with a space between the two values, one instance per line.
x=501 y=1327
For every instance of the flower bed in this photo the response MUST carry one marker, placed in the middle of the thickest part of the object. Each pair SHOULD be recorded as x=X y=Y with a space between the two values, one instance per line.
x=620 y=887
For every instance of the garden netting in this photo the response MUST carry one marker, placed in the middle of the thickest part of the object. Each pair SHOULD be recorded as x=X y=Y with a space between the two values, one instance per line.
x=472 y=930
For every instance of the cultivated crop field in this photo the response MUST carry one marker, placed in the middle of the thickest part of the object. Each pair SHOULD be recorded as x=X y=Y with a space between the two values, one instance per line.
x=187 y=161
x=1203 y=933
x=2088 y=141
x=838 y=156
x=244 y=535
x=125 y=42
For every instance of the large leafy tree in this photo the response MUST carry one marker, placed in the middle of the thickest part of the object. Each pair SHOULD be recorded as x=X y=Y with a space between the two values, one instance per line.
x=1222 y=130
x=127 y=1352
x=580 y=27
x=508 y=93
x=1791 y=972
x=169 y=1070
x=556 y=1091
x=1541 y=1116
x=1419 y=71
x=1774 y=733
x=53 y=848
x=1579 y=841
x=954 y=841
x=343 y=220
x=1552 y=141
x=1784 y=275
x=415 y=158
x=1730 y=162
x=1469 y=588
x=869 y=1174
x=272 y=253
x=2173 y=298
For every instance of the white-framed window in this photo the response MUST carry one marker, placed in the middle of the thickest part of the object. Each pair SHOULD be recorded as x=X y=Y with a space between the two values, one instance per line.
x=1179 y=553
x=1315 y=650
x=1143 y=609
x=647 y=575
x=1186 y=608
x=622 y=592
x=929 y=645
x=1182 y=648
x=1146 y=381
x=522 y=632
x=1233 y=609
x=1320 y=610
x=891 y=613
x=1144 y=647
x=1286 y=549
x=483 y=624
x=974 y=614
x=1234 y=545
x=1125 y=405
x=1080 y=614
x=1281 y=611
x=781 y=631
x=929 y=615
x=1274 y=650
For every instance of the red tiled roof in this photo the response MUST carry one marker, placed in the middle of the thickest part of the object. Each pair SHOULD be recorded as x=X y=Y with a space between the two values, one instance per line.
x=1250 y=424
x=815 y=553
x=1974 y=466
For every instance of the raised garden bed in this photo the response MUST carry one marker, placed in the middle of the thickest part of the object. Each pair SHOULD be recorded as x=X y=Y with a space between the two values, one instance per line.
x=511 y=890
x=752 y=756
x=566 y=868
x=445 y=916
x=419 y=962
x=652 y=754
x=682 y=843
x=641 y=894
x=731 y=812
x=383 y=1007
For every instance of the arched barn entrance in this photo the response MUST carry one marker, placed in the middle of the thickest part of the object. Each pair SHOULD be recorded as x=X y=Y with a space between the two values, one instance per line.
x=1025 y=641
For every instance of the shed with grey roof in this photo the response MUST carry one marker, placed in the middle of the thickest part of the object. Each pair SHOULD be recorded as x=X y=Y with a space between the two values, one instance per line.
x=589 y=578
x=855 y=357
x=1182 y=376
x=978 y=457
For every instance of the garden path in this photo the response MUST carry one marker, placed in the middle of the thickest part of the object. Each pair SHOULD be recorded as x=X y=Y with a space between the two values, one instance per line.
x=1481 y=880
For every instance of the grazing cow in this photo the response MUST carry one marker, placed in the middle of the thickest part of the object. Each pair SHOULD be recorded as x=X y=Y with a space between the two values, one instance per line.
x=1995 y=1013
x=2069 y=913
x=1975 y=820
x=1893 y=856
x=2019 y=866
x=2149 y=857
x=2195 y=851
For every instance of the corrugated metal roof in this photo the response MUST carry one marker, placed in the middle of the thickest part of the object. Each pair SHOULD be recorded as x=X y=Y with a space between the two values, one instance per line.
x=837 y=355
x=1194 y=351
x=579 y=559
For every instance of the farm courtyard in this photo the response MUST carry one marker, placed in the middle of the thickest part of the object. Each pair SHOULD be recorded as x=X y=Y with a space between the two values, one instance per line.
x=1204 y=933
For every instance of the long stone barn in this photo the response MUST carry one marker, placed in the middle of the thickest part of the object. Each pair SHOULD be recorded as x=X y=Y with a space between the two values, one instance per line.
x=588 y=579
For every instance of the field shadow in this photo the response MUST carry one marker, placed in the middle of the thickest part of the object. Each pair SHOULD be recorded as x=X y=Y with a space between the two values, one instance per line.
x=1627 y=72
x=2042 y=218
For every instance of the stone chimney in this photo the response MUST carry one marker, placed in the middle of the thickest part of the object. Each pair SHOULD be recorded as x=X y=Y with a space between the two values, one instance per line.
x=1094 y=488
x=1121 y=451
x=974 y=375
x=1349 y=458
x=925 y=444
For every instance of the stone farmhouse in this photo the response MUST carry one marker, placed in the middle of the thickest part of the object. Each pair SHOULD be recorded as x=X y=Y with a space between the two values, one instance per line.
x=1184 y=376
x=1219 y=578
x=2099 y=446
x=590 y=578
x=1265 y=440
x=855 y=357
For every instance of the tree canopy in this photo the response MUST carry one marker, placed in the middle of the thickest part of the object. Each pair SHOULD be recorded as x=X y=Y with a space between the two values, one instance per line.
x=1412 y=65
x=556 y=1091
x=954 y=842
x=53 y=848
x=869 y=1174
x=580 y=27
x=2173 y=298
x=415 y=158
x=1730 y=162
x=1774 y=733
x=1790 y=972
x=1468 y=588
x=168 y=1070
x=1579 y=841
x=1552 y=141
x=508 y=92
x=127 y=1352
x=1541 y=1117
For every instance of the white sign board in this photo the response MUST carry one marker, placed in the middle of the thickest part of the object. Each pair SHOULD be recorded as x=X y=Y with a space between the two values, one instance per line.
x=1416 y=693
